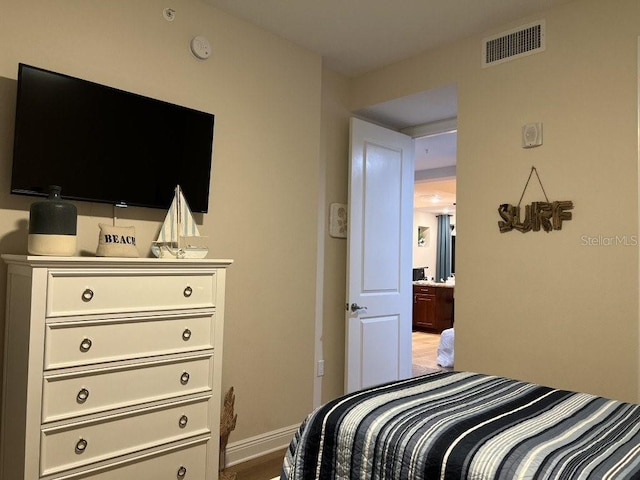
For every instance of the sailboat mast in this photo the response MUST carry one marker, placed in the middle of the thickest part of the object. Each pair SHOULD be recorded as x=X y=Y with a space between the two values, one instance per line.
x=179 y=215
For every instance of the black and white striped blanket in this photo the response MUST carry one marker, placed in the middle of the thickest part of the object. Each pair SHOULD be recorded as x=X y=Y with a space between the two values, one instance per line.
x=458 y=425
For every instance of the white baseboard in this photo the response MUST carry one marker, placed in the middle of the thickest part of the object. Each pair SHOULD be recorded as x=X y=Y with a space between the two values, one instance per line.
x=254 y=447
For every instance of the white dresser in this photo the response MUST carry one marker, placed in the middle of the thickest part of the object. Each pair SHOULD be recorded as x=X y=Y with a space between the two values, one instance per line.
x=112 y=368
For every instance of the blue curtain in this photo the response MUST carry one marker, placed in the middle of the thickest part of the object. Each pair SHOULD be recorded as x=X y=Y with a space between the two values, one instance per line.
x=443 y=253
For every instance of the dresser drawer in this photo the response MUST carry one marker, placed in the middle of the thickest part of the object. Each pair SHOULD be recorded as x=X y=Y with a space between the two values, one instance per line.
x=80 y=293
x=69 y=395
x=87 y=342
x=186 y=464
x=81 y=444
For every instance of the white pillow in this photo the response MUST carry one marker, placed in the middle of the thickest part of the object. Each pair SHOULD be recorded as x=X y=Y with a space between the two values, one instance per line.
x=117 y=241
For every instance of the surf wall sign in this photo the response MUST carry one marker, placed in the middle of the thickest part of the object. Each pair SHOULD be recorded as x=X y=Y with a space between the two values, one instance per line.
x=547 y=216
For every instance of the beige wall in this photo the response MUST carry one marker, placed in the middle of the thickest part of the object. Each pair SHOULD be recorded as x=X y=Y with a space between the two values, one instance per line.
x=544 y=307
x=335 y=159
x=266 y=96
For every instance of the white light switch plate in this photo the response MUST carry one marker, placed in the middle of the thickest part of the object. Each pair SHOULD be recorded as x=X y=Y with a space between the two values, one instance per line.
x=338 y=220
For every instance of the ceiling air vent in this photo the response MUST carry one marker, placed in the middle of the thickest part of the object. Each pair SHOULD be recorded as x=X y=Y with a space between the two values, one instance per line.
x=516 y=43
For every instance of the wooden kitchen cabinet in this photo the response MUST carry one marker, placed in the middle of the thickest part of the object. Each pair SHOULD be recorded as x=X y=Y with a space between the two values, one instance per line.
x=432 y=308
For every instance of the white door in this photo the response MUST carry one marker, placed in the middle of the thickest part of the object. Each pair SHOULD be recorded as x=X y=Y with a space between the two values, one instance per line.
x=380 y=223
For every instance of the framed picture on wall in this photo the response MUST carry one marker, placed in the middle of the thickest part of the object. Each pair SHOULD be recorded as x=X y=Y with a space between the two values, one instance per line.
x=423 y=236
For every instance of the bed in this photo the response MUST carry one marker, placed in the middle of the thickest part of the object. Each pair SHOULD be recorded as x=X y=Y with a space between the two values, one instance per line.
x=461 y=425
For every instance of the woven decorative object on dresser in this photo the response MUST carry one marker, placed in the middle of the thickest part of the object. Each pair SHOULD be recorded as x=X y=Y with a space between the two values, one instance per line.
x=113 y=368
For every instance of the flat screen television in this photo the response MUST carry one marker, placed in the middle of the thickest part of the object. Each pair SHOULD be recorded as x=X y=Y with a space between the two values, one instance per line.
x=101 y=144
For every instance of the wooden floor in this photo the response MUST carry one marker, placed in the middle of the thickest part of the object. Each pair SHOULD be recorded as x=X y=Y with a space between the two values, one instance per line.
x=425 y=348
x=263 y=468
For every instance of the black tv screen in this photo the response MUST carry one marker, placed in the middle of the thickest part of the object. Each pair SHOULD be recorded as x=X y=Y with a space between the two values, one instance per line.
x=101 y=144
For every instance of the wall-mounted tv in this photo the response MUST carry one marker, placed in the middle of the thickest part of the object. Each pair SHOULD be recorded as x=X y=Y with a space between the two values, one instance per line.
x=101 y=144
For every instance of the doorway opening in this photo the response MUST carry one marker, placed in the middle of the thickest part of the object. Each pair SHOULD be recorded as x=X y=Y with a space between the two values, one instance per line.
x=434 y=279
x=430 y=118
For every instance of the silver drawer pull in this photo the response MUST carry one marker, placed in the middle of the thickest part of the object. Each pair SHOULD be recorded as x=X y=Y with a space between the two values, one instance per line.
x=182 y=472
x=87 y=295
x=82 y=395
x=184 y=378
x=81 y=446
x=183 y=421
x=186 y=335
x=187 y=292
x=85 y=345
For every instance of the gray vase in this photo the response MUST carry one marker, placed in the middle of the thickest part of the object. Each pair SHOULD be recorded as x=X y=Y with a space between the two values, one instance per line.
x=53 y=226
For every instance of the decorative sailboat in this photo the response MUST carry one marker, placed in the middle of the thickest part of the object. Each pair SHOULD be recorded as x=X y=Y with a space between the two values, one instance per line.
x=178 y=226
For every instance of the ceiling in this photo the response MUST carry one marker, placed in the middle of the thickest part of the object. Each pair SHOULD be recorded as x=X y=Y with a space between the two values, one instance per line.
x=431 y=115
x=357 y=36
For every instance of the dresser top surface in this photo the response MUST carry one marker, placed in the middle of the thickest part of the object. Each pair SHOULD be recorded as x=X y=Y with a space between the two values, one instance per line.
x=50 y=261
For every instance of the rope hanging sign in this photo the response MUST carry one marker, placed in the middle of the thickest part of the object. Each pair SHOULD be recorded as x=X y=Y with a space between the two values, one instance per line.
x=537 y=215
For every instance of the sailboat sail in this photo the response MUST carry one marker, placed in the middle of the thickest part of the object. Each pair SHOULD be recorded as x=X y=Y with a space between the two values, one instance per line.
x=169 y=233
x=189 y=227
x=178 y=222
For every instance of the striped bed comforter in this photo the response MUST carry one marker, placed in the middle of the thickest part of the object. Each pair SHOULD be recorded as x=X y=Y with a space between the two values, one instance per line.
x=459 y=425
